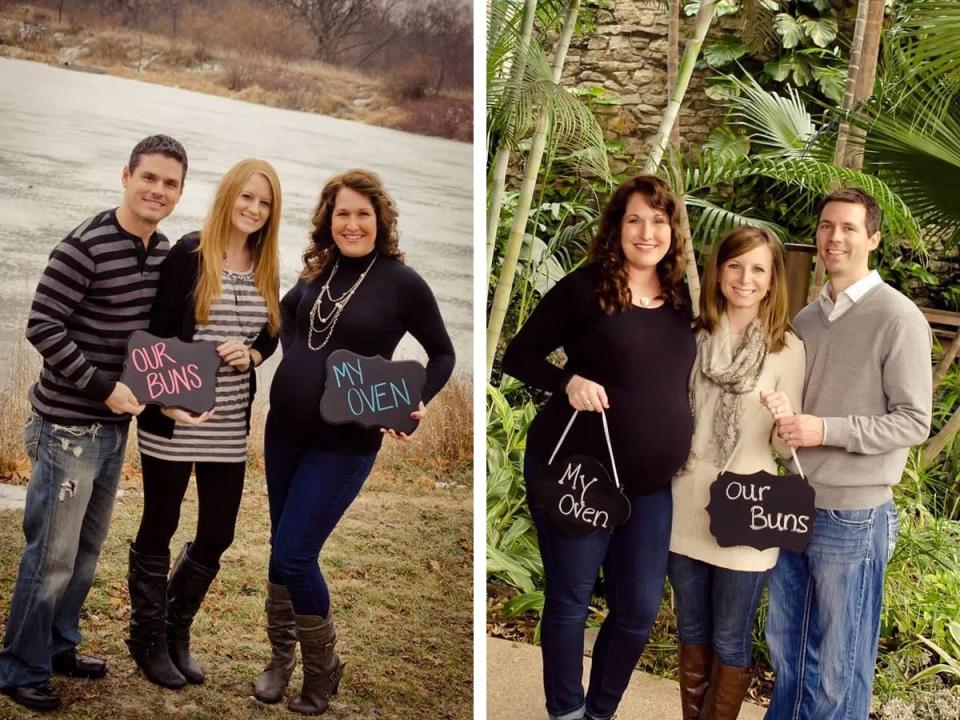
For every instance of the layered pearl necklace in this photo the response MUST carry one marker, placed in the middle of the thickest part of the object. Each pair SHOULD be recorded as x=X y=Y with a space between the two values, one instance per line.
x=323 y=325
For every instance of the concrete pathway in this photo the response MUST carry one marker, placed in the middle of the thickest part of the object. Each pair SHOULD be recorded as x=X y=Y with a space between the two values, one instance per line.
x=12 y=497
x=514 y=690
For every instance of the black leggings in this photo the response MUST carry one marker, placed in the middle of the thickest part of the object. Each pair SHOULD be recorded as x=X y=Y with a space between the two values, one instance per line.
x=219 y=489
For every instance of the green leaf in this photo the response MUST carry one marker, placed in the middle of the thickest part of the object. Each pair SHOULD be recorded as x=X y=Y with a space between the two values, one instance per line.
x=524 y=603
x=788 y=29
x=726 y=50
x=778 y=70
x=821 y=30
x=726 y=144
x=832 y=81
x=724 y=7
x=802 y=72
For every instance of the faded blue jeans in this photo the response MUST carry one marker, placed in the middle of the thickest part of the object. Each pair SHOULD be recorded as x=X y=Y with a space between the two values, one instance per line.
x=69 y=502
x=824 y=617
x=716 y=607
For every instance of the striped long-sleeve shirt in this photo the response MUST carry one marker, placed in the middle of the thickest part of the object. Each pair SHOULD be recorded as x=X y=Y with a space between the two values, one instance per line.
x=97 y=288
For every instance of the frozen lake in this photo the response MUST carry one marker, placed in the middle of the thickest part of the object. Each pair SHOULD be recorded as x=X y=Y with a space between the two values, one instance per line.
x=65 y=136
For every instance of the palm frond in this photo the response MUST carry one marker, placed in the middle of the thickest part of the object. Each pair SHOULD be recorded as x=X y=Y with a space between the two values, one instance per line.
x=714 y=221
x=807 y=175
x=780 y=124
x=516 y=102
x=915 y=145
x=928 y=34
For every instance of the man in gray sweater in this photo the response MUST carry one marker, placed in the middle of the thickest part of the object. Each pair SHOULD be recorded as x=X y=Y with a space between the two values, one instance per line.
x=867 y=399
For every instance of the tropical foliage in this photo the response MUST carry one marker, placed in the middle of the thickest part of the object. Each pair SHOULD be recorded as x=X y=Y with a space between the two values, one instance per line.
x=767 y=164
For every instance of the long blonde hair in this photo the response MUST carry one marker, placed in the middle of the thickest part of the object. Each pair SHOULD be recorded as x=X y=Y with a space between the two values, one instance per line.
x=263 y=244
x=322 y=249
x=774 y=310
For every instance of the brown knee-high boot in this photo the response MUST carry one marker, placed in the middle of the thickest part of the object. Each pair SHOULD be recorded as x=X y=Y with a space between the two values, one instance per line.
x=694 y=672
x=322 y=668
x=728 y=688
x=283 y=645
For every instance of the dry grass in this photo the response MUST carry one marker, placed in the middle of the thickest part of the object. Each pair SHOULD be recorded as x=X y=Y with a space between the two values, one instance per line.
x=267 y=71
x=399 y=571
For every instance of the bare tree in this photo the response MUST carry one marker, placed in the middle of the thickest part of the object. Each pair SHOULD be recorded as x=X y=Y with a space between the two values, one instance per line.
x=346 y=30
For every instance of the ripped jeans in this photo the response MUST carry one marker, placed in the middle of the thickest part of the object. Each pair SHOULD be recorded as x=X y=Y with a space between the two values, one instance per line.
x=73 y=483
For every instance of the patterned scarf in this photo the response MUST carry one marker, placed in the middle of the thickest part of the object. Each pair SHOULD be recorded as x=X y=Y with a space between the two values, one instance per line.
x=735 y=372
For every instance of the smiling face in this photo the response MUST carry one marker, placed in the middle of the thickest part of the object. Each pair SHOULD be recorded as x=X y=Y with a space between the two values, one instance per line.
x=644 y=233
x=353 y=223
x=251 y=209
x=844 y=244
x=745 y=280
x=152 y=189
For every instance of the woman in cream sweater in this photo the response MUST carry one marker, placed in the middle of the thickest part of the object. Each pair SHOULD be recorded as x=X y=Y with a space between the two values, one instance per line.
x=749 y=370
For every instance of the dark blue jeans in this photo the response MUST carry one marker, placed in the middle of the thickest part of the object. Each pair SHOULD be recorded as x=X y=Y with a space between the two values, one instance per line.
x=716 y=606
x=634 y=561
x=309 y=491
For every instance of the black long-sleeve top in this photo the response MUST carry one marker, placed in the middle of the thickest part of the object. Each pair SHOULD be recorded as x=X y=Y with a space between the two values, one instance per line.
x=643 y=359
x=174 y=315
x=391 y=301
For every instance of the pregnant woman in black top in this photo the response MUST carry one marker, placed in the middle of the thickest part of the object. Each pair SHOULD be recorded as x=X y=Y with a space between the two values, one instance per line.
x=624 y=325
x=355 y=293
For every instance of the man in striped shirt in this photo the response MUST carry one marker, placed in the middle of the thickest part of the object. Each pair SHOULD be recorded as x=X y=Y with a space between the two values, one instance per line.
x=97 y=288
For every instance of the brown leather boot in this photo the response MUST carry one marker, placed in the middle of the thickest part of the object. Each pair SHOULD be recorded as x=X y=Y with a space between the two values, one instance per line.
x=322 y=668
x=283 y=645
x=694 y=672
x=728 y=688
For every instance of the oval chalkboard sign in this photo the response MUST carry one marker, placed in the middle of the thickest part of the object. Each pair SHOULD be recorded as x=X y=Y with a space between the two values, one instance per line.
x=372 y=392
x=579 y=497
x=761 y=510
x=171 y=373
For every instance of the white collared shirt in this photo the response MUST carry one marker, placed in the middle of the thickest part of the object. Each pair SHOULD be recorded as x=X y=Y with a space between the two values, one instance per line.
x=848 y=297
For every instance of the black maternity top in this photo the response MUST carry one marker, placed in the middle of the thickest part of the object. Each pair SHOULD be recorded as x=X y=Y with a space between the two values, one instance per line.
x=643 y=359
x=391 y=301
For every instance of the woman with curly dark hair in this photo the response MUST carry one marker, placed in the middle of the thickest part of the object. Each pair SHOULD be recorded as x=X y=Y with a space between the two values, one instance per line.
x=354 y=293
x=623 y=321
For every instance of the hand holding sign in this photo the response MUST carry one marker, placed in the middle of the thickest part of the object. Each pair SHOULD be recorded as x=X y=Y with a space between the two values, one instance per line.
x=417 y=415
x=171 y=373
x=761 y=510
x=373 y=392
x=122 y=400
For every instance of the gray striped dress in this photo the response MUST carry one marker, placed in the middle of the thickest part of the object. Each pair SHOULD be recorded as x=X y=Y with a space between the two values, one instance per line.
x=239 y=314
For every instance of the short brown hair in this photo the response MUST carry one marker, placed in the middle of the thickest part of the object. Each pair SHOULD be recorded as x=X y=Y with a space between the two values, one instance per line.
x=774 y=311
x=322 y=248
x=613 y=291
x=856 y=196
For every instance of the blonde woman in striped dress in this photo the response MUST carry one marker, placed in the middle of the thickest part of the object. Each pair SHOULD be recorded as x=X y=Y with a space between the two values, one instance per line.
x=219 y=285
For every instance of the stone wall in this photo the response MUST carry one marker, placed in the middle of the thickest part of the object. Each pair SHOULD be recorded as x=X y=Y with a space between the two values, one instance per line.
x=627 y=55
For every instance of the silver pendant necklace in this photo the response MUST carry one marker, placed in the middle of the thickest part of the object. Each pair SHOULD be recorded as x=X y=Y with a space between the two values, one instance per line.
x=323 y=325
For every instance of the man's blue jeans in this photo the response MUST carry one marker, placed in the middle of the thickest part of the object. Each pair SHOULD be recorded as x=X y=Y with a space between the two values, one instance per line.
x=70 y=497
x=716 y=607
x=824 y=617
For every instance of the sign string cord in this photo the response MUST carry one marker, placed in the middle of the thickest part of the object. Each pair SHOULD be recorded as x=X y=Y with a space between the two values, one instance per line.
x=606 y=434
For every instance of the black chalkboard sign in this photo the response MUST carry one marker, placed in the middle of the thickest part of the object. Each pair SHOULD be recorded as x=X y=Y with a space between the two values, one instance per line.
x=579 y=497
x=372 y=392
x=761 y=510
x=171 y=373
